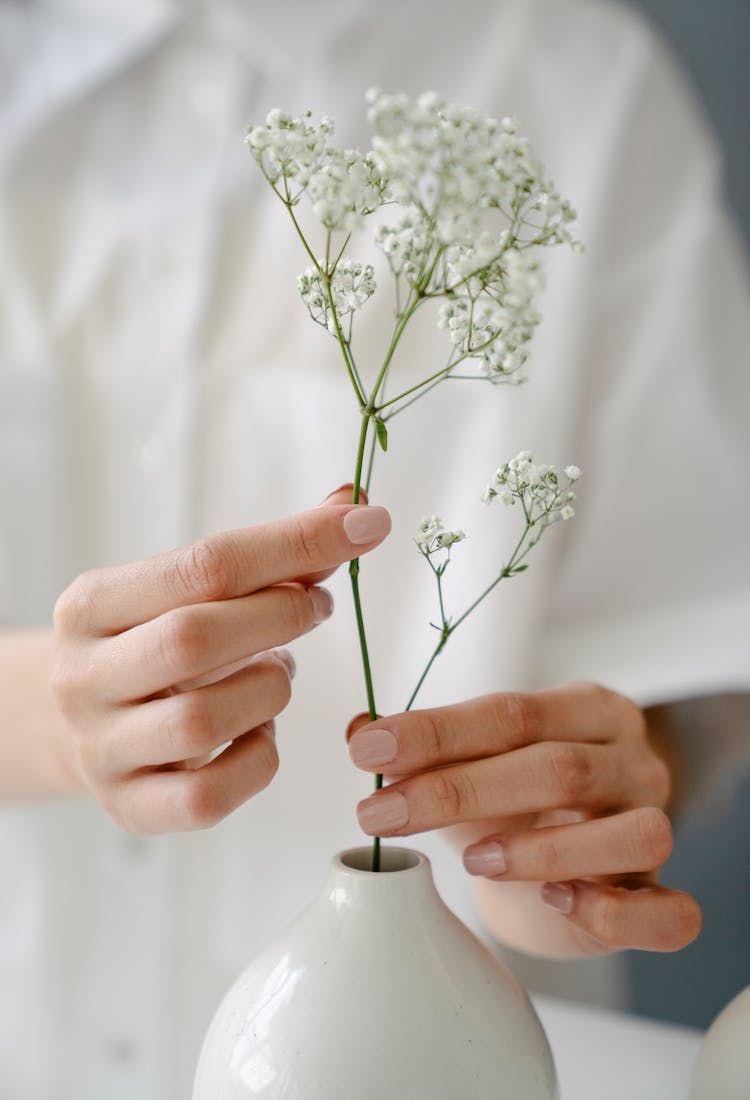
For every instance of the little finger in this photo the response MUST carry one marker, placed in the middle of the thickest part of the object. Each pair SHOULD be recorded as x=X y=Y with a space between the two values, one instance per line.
x=647 y=918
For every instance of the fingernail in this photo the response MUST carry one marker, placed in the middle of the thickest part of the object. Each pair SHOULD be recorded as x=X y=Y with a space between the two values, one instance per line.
x=487 y=858
x=366 y=523
x=383 y=812
x=322 y=602
x=373 y=747
x=558 y=895
x=346 y=487
x=286 y=659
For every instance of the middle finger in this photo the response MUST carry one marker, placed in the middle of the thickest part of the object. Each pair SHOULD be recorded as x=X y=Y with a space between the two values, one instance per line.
x=191 y=642
x=533 y=779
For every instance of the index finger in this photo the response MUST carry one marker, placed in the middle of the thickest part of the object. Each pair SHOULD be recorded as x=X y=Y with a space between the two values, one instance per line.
x=491 y=725
x=220 y=567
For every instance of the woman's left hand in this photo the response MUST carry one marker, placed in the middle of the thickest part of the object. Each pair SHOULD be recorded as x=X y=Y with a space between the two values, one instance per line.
x=560 y=788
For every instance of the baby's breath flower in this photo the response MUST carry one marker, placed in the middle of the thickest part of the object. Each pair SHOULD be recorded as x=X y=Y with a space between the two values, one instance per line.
x=289 y=148
x=452 y=163
x=344 y=188
x=432 y=536
x=343 y=184
x=536 y=486
x=428 y=528
x=406 y=244
x=449 y=538
x=351 y=285
x=472 y=197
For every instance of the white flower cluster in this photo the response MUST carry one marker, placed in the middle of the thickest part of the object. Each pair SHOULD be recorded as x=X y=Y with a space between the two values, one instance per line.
x=351 y=285
x=432 y=535
x=407 y=244
x=289 y=148
x=473 y=205
x=535 y=486
x=451 y=163
x=343 y=184
x=344 y=189
x=495 y=327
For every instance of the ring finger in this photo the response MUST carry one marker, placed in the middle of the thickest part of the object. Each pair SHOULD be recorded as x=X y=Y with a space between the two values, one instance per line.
x=190 y=724
x=635 y=841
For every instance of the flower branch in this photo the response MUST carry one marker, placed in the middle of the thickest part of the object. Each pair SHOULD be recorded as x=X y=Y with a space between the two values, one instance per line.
x=450 y=174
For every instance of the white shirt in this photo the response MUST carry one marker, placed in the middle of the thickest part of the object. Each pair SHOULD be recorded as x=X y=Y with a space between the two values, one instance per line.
x=159 y=379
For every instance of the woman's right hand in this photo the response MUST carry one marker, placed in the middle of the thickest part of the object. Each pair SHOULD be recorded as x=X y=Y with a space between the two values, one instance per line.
x=161 y=662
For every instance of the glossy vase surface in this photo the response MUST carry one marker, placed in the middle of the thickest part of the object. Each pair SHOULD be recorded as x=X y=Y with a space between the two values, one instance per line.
x=722 y=1066
x=376 y=992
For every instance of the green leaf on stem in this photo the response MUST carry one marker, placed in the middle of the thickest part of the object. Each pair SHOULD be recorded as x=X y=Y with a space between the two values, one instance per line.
x=382 y=433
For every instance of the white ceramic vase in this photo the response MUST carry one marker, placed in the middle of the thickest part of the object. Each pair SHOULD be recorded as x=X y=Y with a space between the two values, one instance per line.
x=377 y=991
x=722 y=1066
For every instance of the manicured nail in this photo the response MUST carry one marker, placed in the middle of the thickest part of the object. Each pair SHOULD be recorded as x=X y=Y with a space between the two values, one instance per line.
x=558 y=895
x=286 y=659
x=322 y=602
x=372 y=747
x=487 y=858
x=383 y=812
x=347 y=487
x=366 y=523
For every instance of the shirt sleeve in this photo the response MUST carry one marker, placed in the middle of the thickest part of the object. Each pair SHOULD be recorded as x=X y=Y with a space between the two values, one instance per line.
x=650 y=592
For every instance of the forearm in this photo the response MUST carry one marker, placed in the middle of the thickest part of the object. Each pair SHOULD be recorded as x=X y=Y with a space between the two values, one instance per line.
x=35 y=758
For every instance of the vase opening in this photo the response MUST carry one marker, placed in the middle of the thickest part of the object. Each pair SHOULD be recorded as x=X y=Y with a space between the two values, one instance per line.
x=391 y=859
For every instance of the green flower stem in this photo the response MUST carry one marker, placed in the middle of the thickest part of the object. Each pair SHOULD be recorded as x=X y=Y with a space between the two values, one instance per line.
x=401 y=324
x=428 y=383
x=448 y=628
x=354 y=577
x=345 y=350
x=444 y=636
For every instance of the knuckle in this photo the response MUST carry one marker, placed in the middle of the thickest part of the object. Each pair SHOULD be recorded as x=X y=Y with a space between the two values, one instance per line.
x=617 y=708
x=523 y=712
x=182 y=640
x=73 y=607
x=67 y=688
x=687 y=921
x=110 y=801
x=86 y=755
x=547 y=855
x=630 y=717
x=430 y=737
x=265 y=762
x=306 y=541
x=604 y=919
x=453 y=794
x=205 y=570
x=571 y=771
x=295 y=610
x=654 y=836
x=191 y=727
x=203 y=802
x=280 y=689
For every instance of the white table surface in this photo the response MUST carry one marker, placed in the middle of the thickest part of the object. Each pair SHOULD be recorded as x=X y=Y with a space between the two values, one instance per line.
x=604 y=1055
